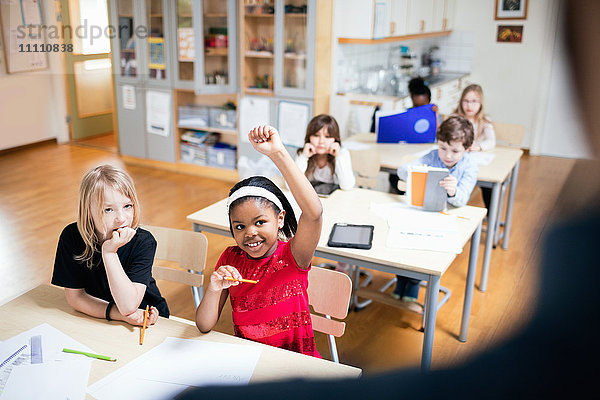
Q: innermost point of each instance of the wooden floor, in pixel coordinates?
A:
(38, 197)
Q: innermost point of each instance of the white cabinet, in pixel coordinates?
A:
(379, 19)
(398, 17)
(443, 15)
(360, 19)
(420, 16)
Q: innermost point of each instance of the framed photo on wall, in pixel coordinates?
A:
(511, 9)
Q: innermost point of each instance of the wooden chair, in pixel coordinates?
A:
(180, 257)
(329, 294)
(508, 135)
(365, 164)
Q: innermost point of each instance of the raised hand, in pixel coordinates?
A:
(265, 139)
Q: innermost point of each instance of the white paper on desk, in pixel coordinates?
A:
(176, 364)
(354, 145)
(414, 229)
(50, 380)
(53, 341)
(481, 158)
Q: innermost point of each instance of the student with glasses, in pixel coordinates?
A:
(471, 107)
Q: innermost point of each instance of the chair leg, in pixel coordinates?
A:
(197, 291)
(332, 346)
(499, 223)
(355, 276)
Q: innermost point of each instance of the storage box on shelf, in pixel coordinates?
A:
(202, 123)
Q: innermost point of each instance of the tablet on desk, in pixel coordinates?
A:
(325, 189)
(351, 236)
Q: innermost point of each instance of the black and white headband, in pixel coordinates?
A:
(253, 191)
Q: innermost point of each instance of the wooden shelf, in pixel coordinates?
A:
(260, 15)
(262, 92)
(259, 54)
(209, 129)
(216, 51)
(296, 15)
(294, 56)
(393, 38)
(215, 15)
(229, 175)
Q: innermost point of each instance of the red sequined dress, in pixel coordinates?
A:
(275, 310)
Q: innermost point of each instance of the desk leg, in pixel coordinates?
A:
(509, 204)
(473, 253)
(433, 291)
(489, 237)
(197, 292)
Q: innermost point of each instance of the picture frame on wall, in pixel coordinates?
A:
(509, 34)
(510, 9)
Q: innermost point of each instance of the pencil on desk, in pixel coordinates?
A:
(458, 216)
(98, 356)
(227, 278)
(144, 325)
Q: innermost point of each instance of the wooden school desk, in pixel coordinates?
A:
(503, 168)
(47, 303)
(353, 206)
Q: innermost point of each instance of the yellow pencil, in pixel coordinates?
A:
(144, 325)
(240, 280)
(459, 216)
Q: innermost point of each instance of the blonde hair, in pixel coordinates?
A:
(91, 192)
(480, 117)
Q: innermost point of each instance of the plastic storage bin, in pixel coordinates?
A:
(222, 118)
(193, 153)
(193, 116)
(222, 155)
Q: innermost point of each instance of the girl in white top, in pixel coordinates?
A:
(322, 158)
(471, 107)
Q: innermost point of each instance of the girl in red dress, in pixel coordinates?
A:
(272, 249)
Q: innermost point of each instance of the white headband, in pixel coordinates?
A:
(253, 191)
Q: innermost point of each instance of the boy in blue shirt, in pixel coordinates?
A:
(454, 137)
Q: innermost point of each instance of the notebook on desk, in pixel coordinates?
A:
(416, 125)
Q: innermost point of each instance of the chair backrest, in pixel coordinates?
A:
(365, 164)
(186, 249)
(509, 134)
(329, 294)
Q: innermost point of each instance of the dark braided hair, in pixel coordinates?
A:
(289, 223)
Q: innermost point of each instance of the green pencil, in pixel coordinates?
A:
(98, 356)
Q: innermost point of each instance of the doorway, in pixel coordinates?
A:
(88, 69)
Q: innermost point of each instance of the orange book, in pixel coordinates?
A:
(423, 187)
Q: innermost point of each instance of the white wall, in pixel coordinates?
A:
(525, 83)
(33, 104)
(562, 131)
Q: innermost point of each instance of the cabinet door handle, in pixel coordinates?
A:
(392, 27)
(445, 24)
